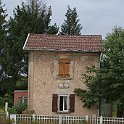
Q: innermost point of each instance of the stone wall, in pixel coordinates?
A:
(44, 81)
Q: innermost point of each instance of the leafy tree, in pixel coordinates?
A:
(71, 24)
(108, 82)
(28, 18)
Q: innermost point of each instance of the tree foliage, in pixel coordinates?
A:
(3, 33)
(2, 25)
(71, 24)
(27, 18)
(108, 81)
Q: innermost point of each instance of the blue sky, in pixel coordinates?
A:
(96, 16)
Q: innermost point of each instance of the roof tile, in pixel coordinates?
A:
(64, 42)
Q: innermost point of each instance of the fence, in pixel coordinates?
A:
(49, 119)
(62, 119)
(105, 120)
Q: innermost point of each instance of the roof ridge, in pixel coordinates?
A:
(67, 35)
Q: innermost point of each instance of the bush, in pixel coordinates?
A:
(28, 111)
(7, 98)
(12, 110)
(18, 109)
(2, 101)
(21, 107)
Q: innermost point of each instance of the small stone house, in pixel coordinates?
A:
(56, 64)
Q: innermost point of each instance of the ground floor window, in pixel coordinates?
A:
(63, 103)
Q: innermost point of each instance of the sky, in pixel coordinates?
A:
(98, 17)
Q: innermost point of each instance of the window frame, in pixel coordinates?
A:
(63, 95)
(70, 103)
(23, 99)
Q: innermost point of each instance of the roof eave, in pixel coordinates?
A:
(57, 50)
(26, 41)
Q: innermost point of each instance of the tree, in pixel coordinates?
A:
(2, 27)
(3, 33)
(71, 25)
(2, 24)
(108, 82)
(29, 18)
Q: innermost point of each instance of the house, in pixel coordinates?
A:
(20, 96)
(56, 64)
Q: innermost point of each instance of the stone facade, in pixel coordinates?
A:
(44, 80)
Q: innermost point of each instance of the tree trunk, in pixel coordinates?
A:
(120, 110)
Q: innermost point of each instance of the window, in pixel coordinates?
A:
(63, 103)
(64, 67)
(22, 99)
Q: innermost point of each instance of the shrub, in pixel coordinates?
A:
(12, 110)
(28, 111)
(7, 98)
(21, 107)
(18, 109)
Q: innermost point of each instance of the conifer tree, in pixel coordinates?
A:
(2, 26)
(27, 18)
(3, 38)
(71, 24)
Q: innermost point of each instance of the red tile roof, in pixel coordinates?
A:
(89, 43)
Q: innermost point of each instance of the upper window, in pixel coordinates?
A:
(64, 65)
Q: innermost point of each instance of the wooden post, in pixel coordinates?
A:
(6, 106)
(86, 117)
(33, 117)
(101, 120)
(6, 109)
(13, 117)
(60, 119)
(7, 114)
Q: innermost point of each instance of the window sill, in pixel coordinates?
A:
(63, 112)
(64, 78)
